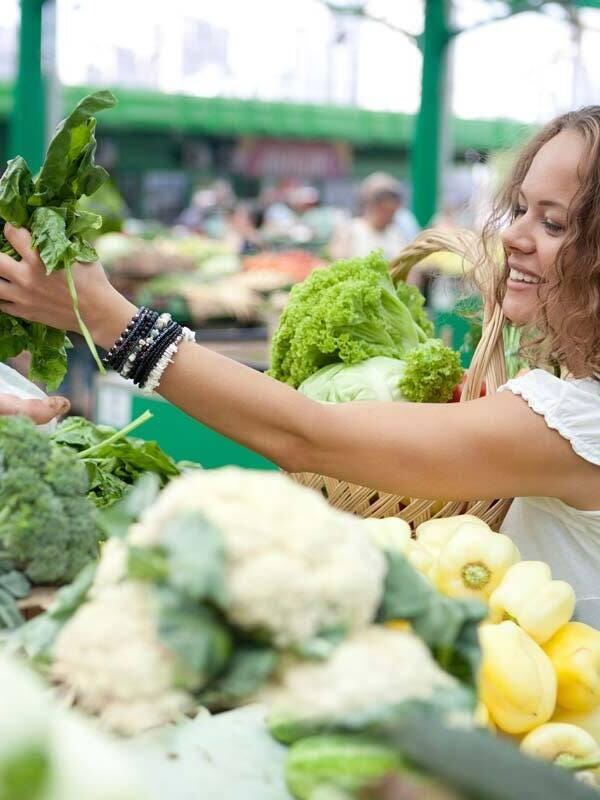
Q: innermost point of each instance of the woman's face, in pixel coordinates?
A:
(534, 237)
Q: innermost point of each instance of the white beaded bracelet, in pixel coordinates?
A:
(157, 372)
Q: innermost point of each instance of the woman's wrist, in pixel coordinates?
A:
(108, 320)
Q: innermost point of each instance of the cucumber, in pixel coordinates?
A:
(342, 760)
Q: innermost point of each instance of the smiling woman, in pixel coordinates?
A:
(538, 439)
(552, 244)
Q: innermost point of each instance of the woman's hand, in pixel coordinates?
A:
(40, 411)
(26, 291)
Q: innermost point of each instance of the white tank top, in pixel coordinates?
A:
(546, 529)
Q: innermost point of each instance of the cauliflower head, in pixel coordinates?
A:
(375, 668)
(294, 566)
(110, 656)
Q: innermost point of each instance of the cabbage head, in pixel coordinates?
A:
(376, 378)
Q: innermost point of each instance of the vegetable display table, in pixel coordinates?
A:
(228, 755)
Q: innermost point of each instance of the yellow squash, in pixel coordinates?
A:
(575, 654)
(517, 683)
(528, 596)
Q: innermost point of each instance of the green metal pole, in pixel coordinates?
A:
(428, 135)
(27, 130)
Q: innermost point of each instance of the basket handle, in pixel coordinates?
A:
(488, 362)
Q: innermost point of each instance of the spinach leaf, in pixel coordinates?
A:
(69, 171)
(114, 460)
(16, 186)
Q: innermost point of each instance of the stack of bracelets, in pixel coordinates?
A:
(146, 348)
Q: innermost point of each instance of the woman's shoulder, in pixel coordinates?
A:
(571, 407)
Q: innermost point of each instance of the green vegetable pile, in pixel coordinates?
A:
(349, 333)
(47, 205)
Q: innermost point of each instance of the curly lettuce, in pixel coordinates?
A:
(348, 312)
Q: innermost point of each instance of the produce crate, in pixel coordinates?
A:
(117, 402)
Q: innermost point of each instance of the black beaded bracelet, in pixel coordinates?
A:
(117, 354)
(130, 345)
(148, 360)
(154, 353)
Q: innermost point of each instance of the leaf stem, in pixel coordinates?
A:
(82, 326)
(117, 435)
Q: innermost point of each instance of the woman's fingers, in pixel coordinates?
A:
(20, 238)
(40, 411)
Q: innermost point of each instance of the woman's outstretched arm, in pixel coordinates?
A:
(493, 447)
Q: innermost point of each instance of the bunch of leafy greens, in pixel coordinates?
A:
(46, 204)
(426, 374)
(113, 459)
(348, 312)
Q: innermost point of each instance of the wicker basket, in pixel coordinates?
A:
(488, 364)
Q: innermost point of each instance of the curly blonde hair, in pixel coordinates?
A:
(568, 327)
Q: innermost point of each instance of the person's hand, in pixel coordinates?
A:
(27, 292)
(40, 411)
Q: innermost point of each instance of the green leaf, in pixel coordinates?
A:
(10, 616)
(16, 185)
(249, 669)
(195, 635)
(191, 559)
(195, 554)
(147, 564)
(15, 583)
(448, 626)
(49, 237)
(36, 638)
(48, 349)
(25, 774)
(116, 520)
(69, 170)
(83, 251)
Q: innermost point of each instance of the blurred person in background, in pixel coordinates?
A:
(208, 209)
(242, 228)
(380, 198)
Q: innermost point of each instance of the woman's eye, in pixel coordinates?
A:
(553, 227)
(518, 211)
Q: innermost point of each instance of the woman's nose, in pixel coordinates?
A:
(517, 236)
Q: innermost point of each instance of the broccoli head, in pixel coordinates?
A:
(48, 527)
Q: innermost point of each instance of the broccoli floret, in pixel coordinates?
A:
(431, 372)
(21, 443)
(48, 527)
(67, 476)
